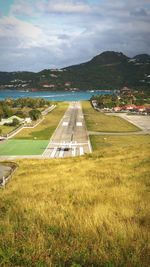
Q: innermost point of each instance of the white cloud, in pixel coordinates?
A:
(68, 6)
(22, 7)
(65, 32)
(11, 26)
(64, 6)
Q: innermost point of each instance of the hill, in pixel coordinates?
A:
(109, 70)
(79, 212)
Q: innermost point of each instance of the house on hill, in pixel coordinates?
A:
(10, 120)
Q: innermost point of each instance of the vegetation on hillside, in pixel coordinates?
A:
(22, 108)
(109, 70)
(45, 129)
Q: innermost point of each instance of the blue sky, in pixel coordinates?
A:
(39, 34)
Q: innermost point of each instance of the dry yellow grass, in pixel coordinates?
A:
(87, 211)
(6, 129)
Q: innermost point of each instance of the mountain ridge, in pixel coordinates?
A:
(108, 70)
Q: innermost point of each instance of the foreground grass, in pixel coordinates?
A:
(87, 211)
(46, 128)
(97, 121)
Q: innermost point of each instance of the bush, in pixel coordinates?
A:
(34, 114)
(15, 122)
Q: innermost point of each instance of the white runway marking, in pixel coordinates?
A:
(65, 123)
(70, 137)
(78, 123)
(61, 154)
(74, 151)
(53, 152)
(81, 151)
(70, 144)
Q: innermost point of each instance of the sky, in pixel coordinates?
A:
(43, 34)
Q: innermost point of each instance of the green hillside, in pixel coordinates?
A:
(109, 70)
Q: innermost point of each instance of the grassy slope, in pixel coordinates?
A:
(114, 143)
(97, 121)
(45, 129)
(87, 211)
(6, 129)
(92, 210)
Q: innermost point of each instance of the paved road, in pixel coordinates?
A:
(70, 137)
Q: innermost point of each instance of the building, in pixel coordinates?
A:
(10, 120)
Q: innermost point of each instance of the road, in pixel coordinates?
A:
(70, 139)
(141, 121)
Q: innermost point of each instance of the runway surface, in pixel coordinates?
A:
(70, 139)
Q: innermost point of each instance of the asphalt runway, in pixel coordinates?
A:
(70, 139)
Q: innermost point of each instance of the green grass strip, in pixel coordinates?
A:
(23, 147)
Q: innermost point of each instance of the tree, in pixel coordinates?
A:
(7, 111)
(15, 122)
(20, 114)
(1, 113)
(34, 114)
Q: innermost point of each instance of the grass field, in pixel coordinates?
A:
(87, 211)
(23, 147)
(46, 128)
(113, 143)
(97, 121)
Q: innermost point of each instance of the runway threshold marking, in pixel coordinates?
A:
(53, 152)
(61, 154)
(78, 123)
(73, 151)
(81, 151)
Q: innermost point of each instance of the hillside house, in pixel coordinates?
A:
(140, 108)
(48, 85)
(10, 120)
(130, 107)
(117, 109)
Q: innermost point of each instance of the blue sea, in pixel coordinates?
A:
(53, 96)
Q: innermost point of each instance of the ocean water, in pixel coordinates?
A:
(53, 96)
